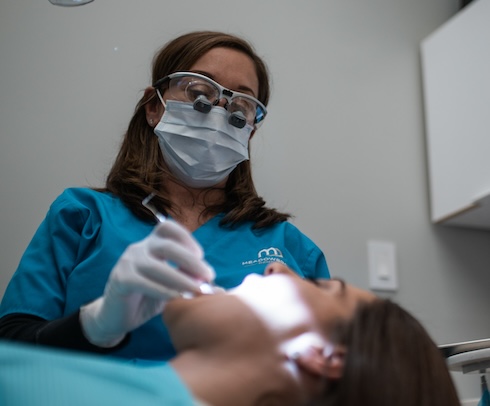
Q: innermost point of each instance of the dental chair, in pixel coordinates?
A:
(470, 357)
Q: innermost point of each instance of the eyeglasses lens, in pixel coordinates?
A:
(189, 89)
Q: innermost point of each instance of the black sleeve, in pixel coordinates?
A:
(62, 333)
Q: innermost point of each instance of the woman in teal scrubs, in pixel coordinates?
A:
(187, 143)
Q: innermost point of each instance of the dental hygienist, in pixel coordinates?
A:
(98, 271)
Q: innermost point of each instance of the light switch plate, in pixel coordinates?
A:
(382, 266)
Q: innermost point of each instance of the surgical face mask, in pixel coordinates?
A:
(200, 149)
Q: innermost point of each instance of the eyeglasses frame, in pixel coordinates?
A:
(225, 93)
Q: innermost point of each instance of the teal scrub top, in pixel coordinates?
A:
(70, 257)
(36, 375)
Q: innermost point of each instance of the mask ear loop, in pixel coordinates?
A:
(161, 98)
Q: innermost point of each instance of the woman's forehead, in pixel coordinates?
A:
(230, 67)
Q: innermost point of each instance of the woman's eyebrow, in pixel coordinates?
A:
(241, 88)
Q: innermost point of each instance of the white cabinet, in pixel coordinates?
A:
(456, 84)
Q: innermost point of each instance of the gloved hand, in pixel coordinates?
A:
(149, 273)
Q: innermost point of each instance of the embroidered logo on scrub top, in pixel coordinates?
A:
(270, 252)
(265, 256)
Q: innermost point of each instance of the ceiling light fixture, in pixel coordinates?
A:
(70, 3)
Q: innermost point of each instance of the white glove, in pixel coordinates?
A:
(162, 266)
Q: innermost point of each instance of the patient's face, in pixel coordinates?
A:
(271, 308)
(285, 301)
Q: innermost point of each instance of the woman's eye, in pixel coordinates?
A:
(327, 284)
(194, 90)
(195, 93)
(313, 280)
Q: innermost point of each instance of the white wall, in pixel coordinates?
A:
(342, 149)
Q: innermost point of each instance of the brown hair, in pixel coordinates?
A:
(391, 360)
(139, 170)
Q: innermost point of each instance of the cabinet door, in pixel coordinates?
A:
(456, 82)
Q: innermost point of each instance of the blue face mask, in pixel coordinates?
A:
(200, 149)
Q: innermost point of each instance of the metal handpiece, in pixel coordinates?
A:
(146, 202)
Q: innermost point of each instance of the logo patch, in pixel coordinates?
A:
(266, 256)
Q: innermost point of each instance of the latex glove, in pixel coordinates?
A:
(149, 273)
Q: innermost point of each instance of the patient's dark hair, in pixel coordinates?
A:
(391, 360)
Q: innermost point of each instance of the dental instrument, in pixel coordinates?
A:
(205, 287)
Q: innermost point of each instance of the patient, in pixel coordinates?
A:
(276, 339)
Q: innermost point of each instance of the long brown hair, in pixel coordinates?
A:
(391, 360)
(139, 170)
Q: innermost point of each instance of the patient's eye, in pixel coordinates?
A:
(313, 280)
(333, 284)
